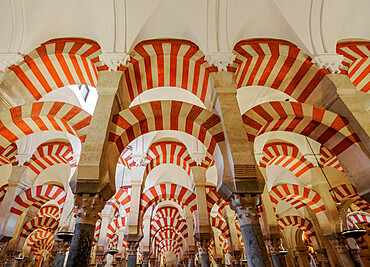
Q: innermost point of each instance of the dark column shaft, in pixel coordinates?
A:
(131, 261)
(79, 252)
(59, 260)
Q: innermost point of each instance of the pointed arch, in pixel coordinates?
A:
(297, 196)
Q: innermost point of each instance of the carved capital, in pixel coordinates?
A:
(132, 247)
(23, 158)
(62, 246)
(273, 244)
(88, 206)
(114, 60)
(246, 207)
(146, 255)
(9, 59)
(220, 59)
(235, 255)
(203, 245)
(339, 243)
(332, 62)
(322, 256)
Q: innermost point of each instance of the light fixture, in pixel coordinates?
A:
(65, 236)
(112, 251)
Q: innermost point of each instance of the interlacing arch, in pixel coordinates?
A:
(49, 223)
(166, 115)
(168, 192)
(51, 211)
(114, 225)
(323, 126)
(347, 191)
(37, 196)
(42, 116)
(169, 62)
(287, 156)
(356, 63)
(280, 65)
(299, 222)
(329, 160)
(298, 196)
(58, 63)
(8, 155)
(50, 154)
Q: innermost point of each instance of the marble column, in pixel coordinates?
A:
(203, 244)
(322, 256)
(61, 252)
(273, 242)
(191, 259)
(340, 246)
(132, 253)
(246, 206)
(88, 205)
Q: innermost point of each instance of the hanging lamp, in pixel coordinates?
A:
(347, 233)
(66, 236)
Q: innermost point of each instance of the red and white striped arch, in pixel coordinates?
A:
(51, 211)
(168, 192)
(177, 224)
(298, 196)
(169, 62)
(42, 116)
(358, 218)
(287, 156)
(114, 225)
(125, 158)
(37, 196)
(121, 198)
(167, 212)
(280, 65)
(321, 125)
(347, 191)
(113, 243)
(169, 234)
(58, 63)
(356, 63)
(39, 222)
(329, 160)
(8, 155)
(166, 115)
(168, 242)
(96, 232)
(220, 224)
(37, 235)
(3, 190)
(213, 198)
(41, 245)
(50, 154)
(299, 222)
(166, 248)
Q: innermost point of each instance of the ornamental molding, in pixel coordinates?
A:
(114, 60)
(23, 158)
(220, 59)
(138, 159)
(331, 62)
(9, 59)
(198, 157)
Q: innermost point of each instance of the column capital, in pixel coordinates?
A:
(273, 242)
(338, 242)
(88, 206)
(203, 245)
(132, 247)
(246, 207)
(220, 59)
(113, 60)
